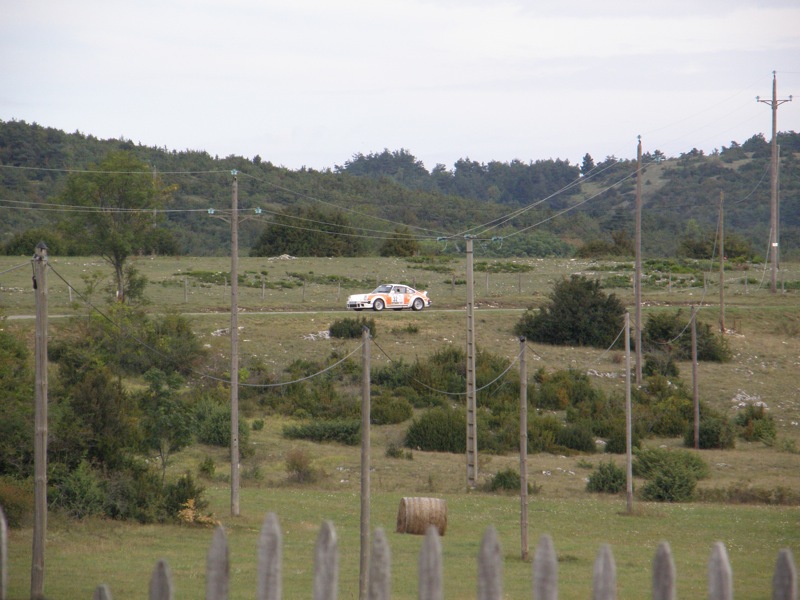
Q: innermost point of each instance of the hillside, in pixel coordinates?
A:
(518, 204)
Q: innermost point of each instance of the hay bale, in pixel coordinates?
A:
(415, 515)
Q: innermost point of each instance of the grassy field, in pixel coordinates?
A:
(281, 322)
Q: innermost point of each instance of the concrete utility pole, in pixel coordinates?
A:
(695, 389)
(235, 346)
(628, 419)
(638, 267)
(472, 425)
(523, 450)
(774, 103)
(363, 580)
(721, 264)
(40, 423)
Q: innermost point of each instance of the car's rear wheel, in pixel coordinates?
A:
(378, 305)
(418, 304)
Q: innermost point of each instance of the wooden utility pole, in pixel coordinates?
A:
(523, 450)
(695, 392)
(721, 264)
(472, 425)
(638, 267)
(628, 419)
(363, 582)
(774, 103)
(40, 423)
(235, 347)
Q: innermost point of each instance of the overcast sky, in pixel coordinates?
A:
(313, 82)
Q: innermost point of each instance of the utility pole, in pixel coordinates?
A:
(472, 425)
(774, 103)
(721, 264)
(638, 267)
(523, 450)
(363, 580)
(628, 419)
(695, 390)
(40, 423)
(235, 346)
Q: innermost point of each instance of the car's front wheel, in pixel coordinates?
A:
(418, 304)
(378, 305)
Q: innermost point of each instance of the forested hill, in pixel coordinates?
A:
(536, 208)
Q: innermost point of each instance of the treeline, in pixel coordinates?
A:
(536, 208)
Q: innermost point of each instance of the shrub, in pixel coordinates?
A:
(660, 363)
(257, 424)
(207, 467)
(576, 437)
(351, 328)
(668, 332)
(298, 466)
(507, 480)
(214, 425)
(579, 313)
(754, 424)
(388, 410)
(16, 500)
(648, 462)
(617, 442)
(608, 479)
(715, 432)
(79, 493)
(673, 482)
(178, 494)
(438, 430)
(395, 450)
(346, 432)
(134, 493)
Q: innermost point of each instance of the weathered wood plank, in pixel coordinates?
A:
(720, 577)
(784, 581)
(102, 592)
(269, 584)
(380, 568)
(604, 578)
(664, 586)
(326, 563)
(429, 586)
(217, 567)
(545, 570)
(490, 567)
(161, 587)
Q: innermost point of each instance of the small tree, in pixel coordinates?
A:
(402, 243)
(579, 313)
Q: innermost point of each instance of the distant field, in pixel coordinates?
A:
(280, 322)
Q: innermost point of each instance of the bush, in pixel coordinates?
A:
(79, 493)
(177, 494)
(579, 313)
(341, 431)
(617, 442)
(673, 482)
(438, 430)
(298, 466)
(542, 432)
(508, 480)
(349, 328)
(715, 432)
(576, 437)
(669, 333)
(754, 424)
(388, 410)
(257, 424)
(207, 467)
(647, 462)
(608, 479)
(134, 493)
(660, 363)
(214, 425)
(16, 500)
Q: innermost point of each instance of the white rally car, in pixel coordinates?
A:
(390, 295)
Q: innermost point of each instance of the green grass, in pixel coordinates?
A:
(277, 329)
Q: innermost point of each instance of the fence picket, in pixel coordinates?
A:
(3, 556)
(784, 581)
(490, 567)
(604, 577)
(430, 567)
(664, 587)
(326, 563)
(217, 567)
(380, 568)
(545, 570)
(270, 582)
(720, 577)
(161, 582)
(102, 592)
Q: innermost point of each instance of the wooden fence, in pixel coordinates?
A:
(490, 569)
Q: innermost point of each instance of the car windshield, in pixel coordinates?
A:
(382, 289)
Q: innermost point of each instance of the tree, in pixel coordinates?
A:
(121, 193)
(16, 408)
(307, 231)
(579, 313)
(587, 165)
(402, 243)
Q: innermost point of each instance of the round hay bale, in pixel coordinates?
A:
(416, 515)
